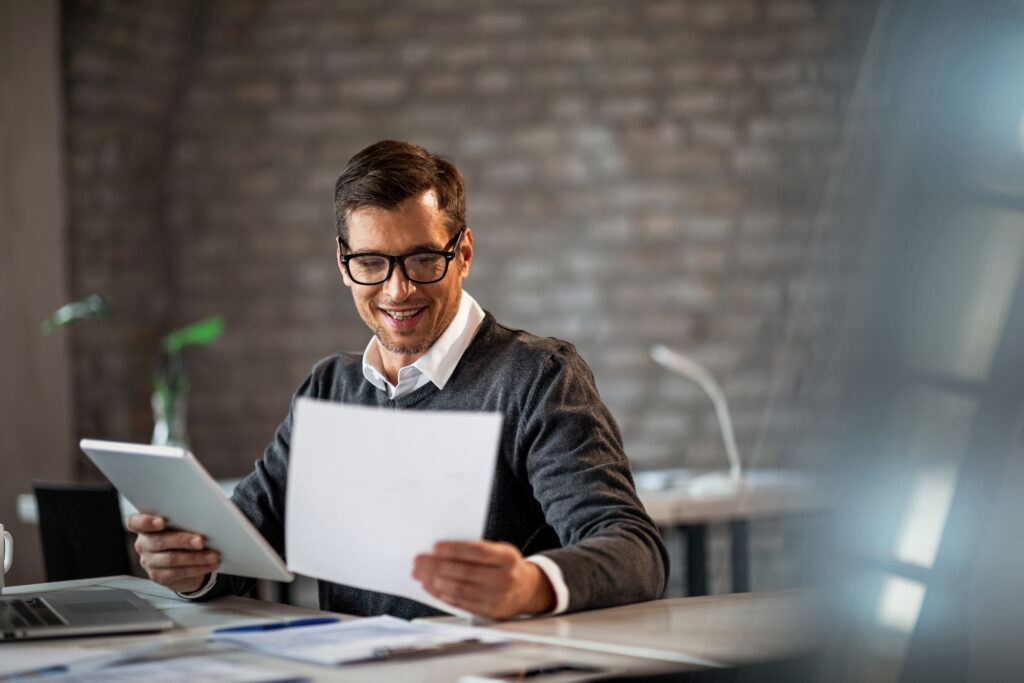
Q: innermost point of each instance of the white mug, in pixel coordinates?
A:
(8, 542)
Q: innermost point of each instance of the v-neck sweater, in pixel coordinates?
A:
(562, 486)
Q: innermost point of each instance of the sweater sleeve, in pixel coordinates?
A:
(612, 553)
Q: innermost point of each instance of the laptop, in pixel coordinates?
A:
(86, 612)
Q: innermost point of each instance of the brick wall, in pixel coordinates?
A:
(637, 173)
(124, 66)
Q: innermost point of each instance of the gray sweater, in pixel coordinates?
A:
(562, 487)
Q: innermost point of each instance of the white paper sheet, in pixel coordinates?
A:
(25, 658)
(370, 488)
(22, 658)
(192, 669)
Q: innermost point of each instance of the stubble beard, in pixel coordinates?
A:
(403, 350)
(392, 344)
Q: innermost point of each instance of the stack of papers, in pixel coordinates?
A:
(360, 640)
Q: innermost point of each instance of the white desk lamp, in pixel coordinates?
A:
(718, 484)
(712, 483)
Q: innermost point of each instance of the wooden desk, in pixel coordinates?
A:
(651, 637)
(195, 621)
(724, 630)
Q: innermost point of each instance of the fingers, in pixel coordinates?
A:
(176, 559)
(168, 540)
(474, 600)
(142, 522)
(463, 572)
(183, 571)
(486, 578)
(471, 587)
(464, 567)
(479, 598)
(460, 592)
(151, 530)
(478, 552)
(179, 560)
(487, 600)
(185, 580)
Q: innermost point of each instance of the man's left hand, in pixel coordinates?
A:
(487, 578)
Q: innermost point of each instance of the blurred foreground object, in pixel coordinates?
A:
(926, 243)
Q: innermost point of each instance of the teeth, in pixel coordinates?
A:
(403, 315)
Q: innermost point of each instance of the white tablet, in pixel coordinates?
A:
(170, 482)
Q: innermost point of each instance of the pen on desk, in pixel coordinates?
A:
(276, 626)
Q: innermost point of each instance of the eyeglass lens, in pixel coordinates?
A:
(424, 268)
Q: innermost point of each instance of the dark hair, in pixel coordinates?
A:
(388, 172)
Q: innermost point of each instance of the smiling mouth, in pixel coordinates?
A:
(403, 315)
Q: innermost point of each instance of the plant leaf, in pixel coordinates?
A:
(93, 307)
(202, 332)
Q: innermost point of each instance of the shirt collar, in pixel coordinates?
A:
(440, 360)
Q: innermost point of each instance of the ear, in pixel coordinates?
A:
(344, 273)
(466, 252)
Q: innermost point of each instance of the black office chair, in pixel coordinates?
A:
(81, 529)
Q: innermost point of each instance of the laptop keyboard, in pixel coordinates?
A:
(19, 614)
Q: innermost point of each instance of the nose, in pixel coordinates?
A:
(398, 287)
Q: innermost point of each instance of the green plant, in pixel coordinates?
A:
(170, 377)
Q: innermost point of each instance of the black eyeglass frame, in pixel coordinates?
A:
(400, 260)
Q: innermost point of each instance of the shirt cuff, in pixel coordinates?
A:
(557, 579)
(202, 590)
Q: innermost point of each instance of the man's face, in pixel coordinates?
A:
(406, 317)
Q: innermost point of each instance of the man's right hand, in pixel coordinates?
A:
(176, 559)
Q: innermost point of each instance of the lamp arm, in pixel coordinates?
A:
(691, 369)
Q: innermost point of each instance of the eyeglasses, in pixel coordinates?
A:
(421, 267)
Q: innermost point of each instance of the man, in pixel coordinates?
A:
(565, 529)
